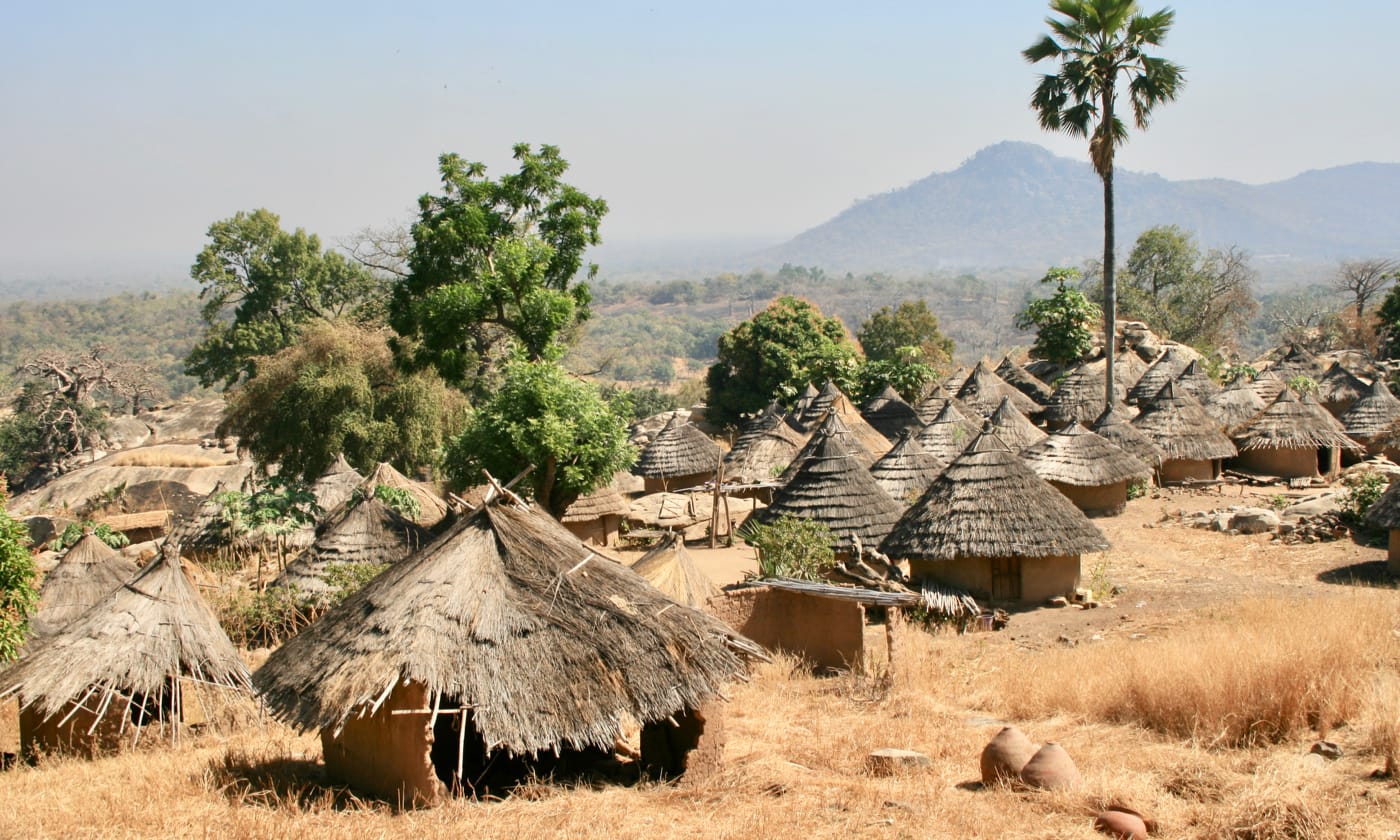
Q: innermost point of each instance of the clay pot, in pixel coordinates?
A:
(1005, 755)
(1123, 823)
(1051, 768)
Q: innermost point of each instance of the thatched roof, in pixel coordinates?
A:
(1298, 361)
(605, 501)
(1235, 404)
(205, 529)
(681, 449)
(934, 402)
(508, 614)
(1290, 423)
(1181, 429)
(889, 414)
(1081, 393)
(1385, 511)
(871, 439)
(1168, 366)
(671, 569)
(833, 427)
(819, 405)
(1339, 385)
(800, 407)
(368, 533)
(1115, 425)
(1080, 458)
(764, 448)
(987, 503)
(955, 380)
(1023, 380)
(1013, 428)
(336, 484)
(984, 391)
(1267, 385)
(1194, 380)
(130, 644)
(947, 435)
(84, 575)
(1373, 414)
(906, 470)
(432, 508)
(835, 488)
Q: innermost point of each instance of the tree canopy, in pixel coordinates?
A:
(888, 331)
(1204, 300)
(1064, 322)
(18, 596)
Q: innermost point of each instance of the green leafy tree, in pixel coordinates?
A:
(791, 547)
(1388, 314)
(18, 596)
(777, 353)
(906, 372)
(259, 286)
(74, 531)
(886, 335)
(1205, 300)
(495, 262)
(1098, 45)
(278, 507)
(338, 391)
(543, 417)
(1064, 322)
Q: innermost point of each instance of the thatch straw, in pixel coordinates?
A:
(1385, 511)
(1267, 385)
(987, 503)
(590, 507)
(1373, 414)
(906, 471)
(432, 509)
(1339, 386)
(1298, 361)
(1168, 366)
(336, 484)
(129, 647)
(819, 405)
(834, 426)
(671, 569)
(800, 407)
(1080, 458)
(1023, 380)
(955, 380)
(1236, 404)
(984, 391)
(88, 571)
(764, 448)
(1181, 429)
(367, 534)
(947, 435)
(889, 414)
(936, 400)
(1290, 423)
(1013, 428)
(679, 450)
(1194, 380)
(1115, 425)
(1080, 394)
(508, 614)
(835, 488)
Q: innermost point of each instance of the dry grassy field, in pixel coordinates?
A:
(1192, 697)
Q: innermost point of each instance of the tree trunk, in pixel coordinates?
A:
(1110, 290)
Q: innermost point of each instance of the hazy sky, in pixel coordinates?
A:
(129, 127)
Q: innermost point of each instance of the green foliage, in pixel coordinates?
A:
(263, 619)
(1278, 502)
(19, 597)
(541, 416)
(259, 286)
(1388, 316)
(791, 547)
(1138, 488)
(278, 507)
(397, 499)
(776, 354)
(74, 532)
(1363, 489)
(1203, 300)
(345, 579)
(1303, 385)
(1063, 322)
(640, 403)
(338, 391)
(494, 261)
(907, 373)
(887, 335)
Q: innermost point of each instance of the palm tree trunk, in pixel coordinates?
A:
(1110, 290)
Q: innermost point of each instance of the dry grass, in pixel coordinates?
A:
(1261, 672)
(1381, 719)
(158, 457)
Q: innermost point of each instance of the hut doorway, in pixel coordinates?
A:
(1328, 461)
(1006, 579)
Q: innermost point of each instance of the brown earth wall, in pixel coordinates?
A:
(387, 755)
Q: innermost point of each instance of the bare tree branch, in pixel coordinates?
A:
(1364, 279)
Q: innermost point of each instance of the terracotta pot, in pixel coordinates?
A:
(1005, 755)
(1051, 768)
(1123, 823)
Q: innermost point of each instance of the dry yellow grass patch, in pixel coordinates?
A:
(155, 456)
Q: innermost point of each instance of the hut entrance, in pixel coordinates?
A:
(462, 762)
(1328, 460)
(1006, 579)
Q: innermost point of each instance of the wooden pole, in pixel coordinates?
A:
(714, 502)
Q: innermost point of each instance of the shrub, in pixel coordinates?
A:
(345, 579)
(263, 619)
(397, 499)
(791, 547)
(18, 597)
(74, 532)
(1363, 489)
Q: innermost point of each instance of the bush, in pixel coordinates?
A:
(345, 579)
(263, 619)
(74, 532)
(791, 547)
(1363, 489)
(18, 596)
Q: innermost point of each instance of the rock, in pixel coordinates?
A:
(1058, 601)
(1327, 750)
(1005, 755)
(1051, 768)
(1325, 503)
(891, 761)
(44, 528)
(1122, 823)
(1254, 521)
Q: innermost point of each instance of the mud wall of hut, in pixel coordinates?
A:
(1393, 554)
(1284, 463)
(1105, 500)
(690, 743)
(1180, 469)
(387, 755)
(1041, 578)
(602, 531)
(826, 632)
(52, 734)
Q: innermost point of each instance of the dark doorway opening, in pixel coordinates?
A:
(1006, 579)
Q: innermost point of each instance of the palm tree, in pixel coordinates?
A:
(1098, 44)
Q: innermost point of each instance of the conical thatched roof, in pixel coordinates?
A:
(1194, 380)
(671, 569)
(1128, 368)
(336, 484)
(1080, 394)
(1385, 511)
(1181, 429)
(819, 405)
(1078, 457)
(984, 391)
(934, 402)
(1339, 385)
(871, 439)
(906, 470)
(987, 503)
(1013, 428)
(1373, 414)
(680, 449)
(1298, 361)
(889, 414)
(131, 643)
(1290, 423)
(799, 408)
(764, 448)
(431, 507)
(605, 501)
(955, 380)
(88, 571)
(1267, 385)
(1023, 380)
(947, 435)
(835, 488)
(1168, 366)
(834, 427)
(368, 533)
(510, 615)
(1236, 404)
(1115, 425)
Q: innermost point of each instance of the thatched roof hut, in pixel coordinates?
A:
(1024, 381)
(1235, 404)
(681, 456)
(834, 487)
(1168, 367)
(1115, 425)
(671, 569)
(1298, 361)
(906, 471)
(851, 440)
(1013, 428)
(1371, 416)
(432, 509)
(1385, 513)
(889, 414)
(508, 630)
(947, 435)
(596, 517)
(1291, 439)
(1091, 472)
(763, 449)
(934, 402)
(1190, 440)
(336, 484)
(991, 526)
(1339, 388)
(369, 533)
(142, 654)
(819, 405)
(984, 391)
(799, 408)
(1194, 380)
(1267, 385)
(1081, 392)
(86, 573)
(954, 381)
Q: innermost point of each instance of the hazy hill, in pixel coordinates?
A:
(1017, 204)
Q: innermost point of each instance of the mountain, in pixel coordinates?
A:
(1016, 204)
